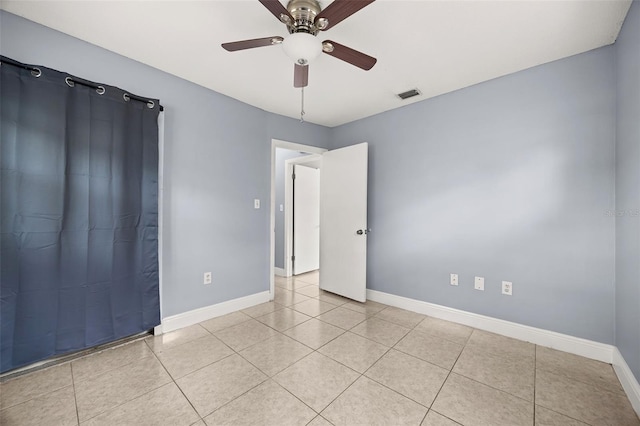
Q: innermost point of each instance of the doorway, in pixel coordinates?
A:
(343, 217)
(280, 208)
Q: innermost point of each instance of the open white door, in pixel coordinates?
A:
(343, 222)
(306, 219)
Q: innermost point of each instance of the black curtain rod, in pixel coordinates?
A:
(74, 80)
(10, 61)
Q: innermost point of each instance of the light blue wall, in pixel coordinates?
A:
(217, 160)
(282, 155)
(628, 191)
(510, 180)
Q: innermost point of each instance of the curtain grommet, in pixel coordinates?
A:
(100, 90)
(69, 82)
(36, 72)
(126, 97)
(151, 104)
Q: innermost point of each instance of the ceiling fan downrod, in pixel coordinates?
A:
(304, 14)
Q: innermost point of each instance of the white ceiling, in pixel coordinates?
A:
(435, 46)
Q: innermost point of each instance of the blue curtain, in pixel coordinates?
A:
(79, 215)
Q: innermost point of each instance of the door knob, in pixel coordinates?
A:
(359, 232)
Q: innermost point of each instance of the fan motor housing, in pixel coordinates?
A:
(304, 14)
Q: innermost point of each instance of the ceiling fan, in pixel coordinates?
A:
(304, 19)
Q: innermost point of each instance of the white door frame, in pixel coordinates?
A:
(288, 206)
(276, 143)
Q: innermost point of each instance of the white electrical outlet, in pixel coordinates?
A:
(479, 283)
(207, 277)
(454, 279)
(256, 203)
(507, 288)
(281, 207)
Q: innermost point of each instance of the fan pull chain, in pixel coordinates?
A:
(302, 106)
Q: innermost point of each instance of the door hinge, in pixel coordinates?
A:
(293, 258)
(293, 176)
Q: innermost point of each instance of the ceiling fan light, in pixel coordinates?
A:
(302, 48)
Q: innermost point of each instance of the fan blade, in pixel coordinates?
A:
(250, 44)
(349, 55)
(340, 10)
(278, 10)
(300, 75)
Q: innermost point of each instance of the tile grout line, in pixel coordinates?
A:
(199, 324)
(401, 394)
(340, 394)
(36, 395)
(75, 398)
(391, 389)
(69, 362)
(69, 358)
(318, 415)
(233, 352)
(364, 373)
(444, 338)
(233, 399)
(345, 331)
(256, 367)
(272, 377)
(336, 361)
(578, 381)
(482, 383)
(103, 373)
(126, 402)
(449, 374)
(176, 385)
(298, 398)
(584, 382)
(199, 368)
(360, 374)
(492, 387)
(535, 373)
(326, 343)
(425, 416)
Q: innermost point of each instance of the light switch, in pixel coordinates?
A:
(281, 207)
(256, 203)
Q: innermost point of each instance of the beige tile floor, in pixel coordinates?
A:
(313, 358)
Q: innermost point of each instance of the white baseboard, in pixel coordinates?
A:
(279, 272)
(627, 379)
(195, 316)
(551, 339)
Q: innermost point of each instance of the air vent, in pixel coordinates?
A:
(409, 94)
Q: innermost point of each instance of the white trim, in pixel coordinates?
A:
(627, 379)
(195, 316)
(288, 206)
(279, 272)
(276, 143)
(551, 339)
